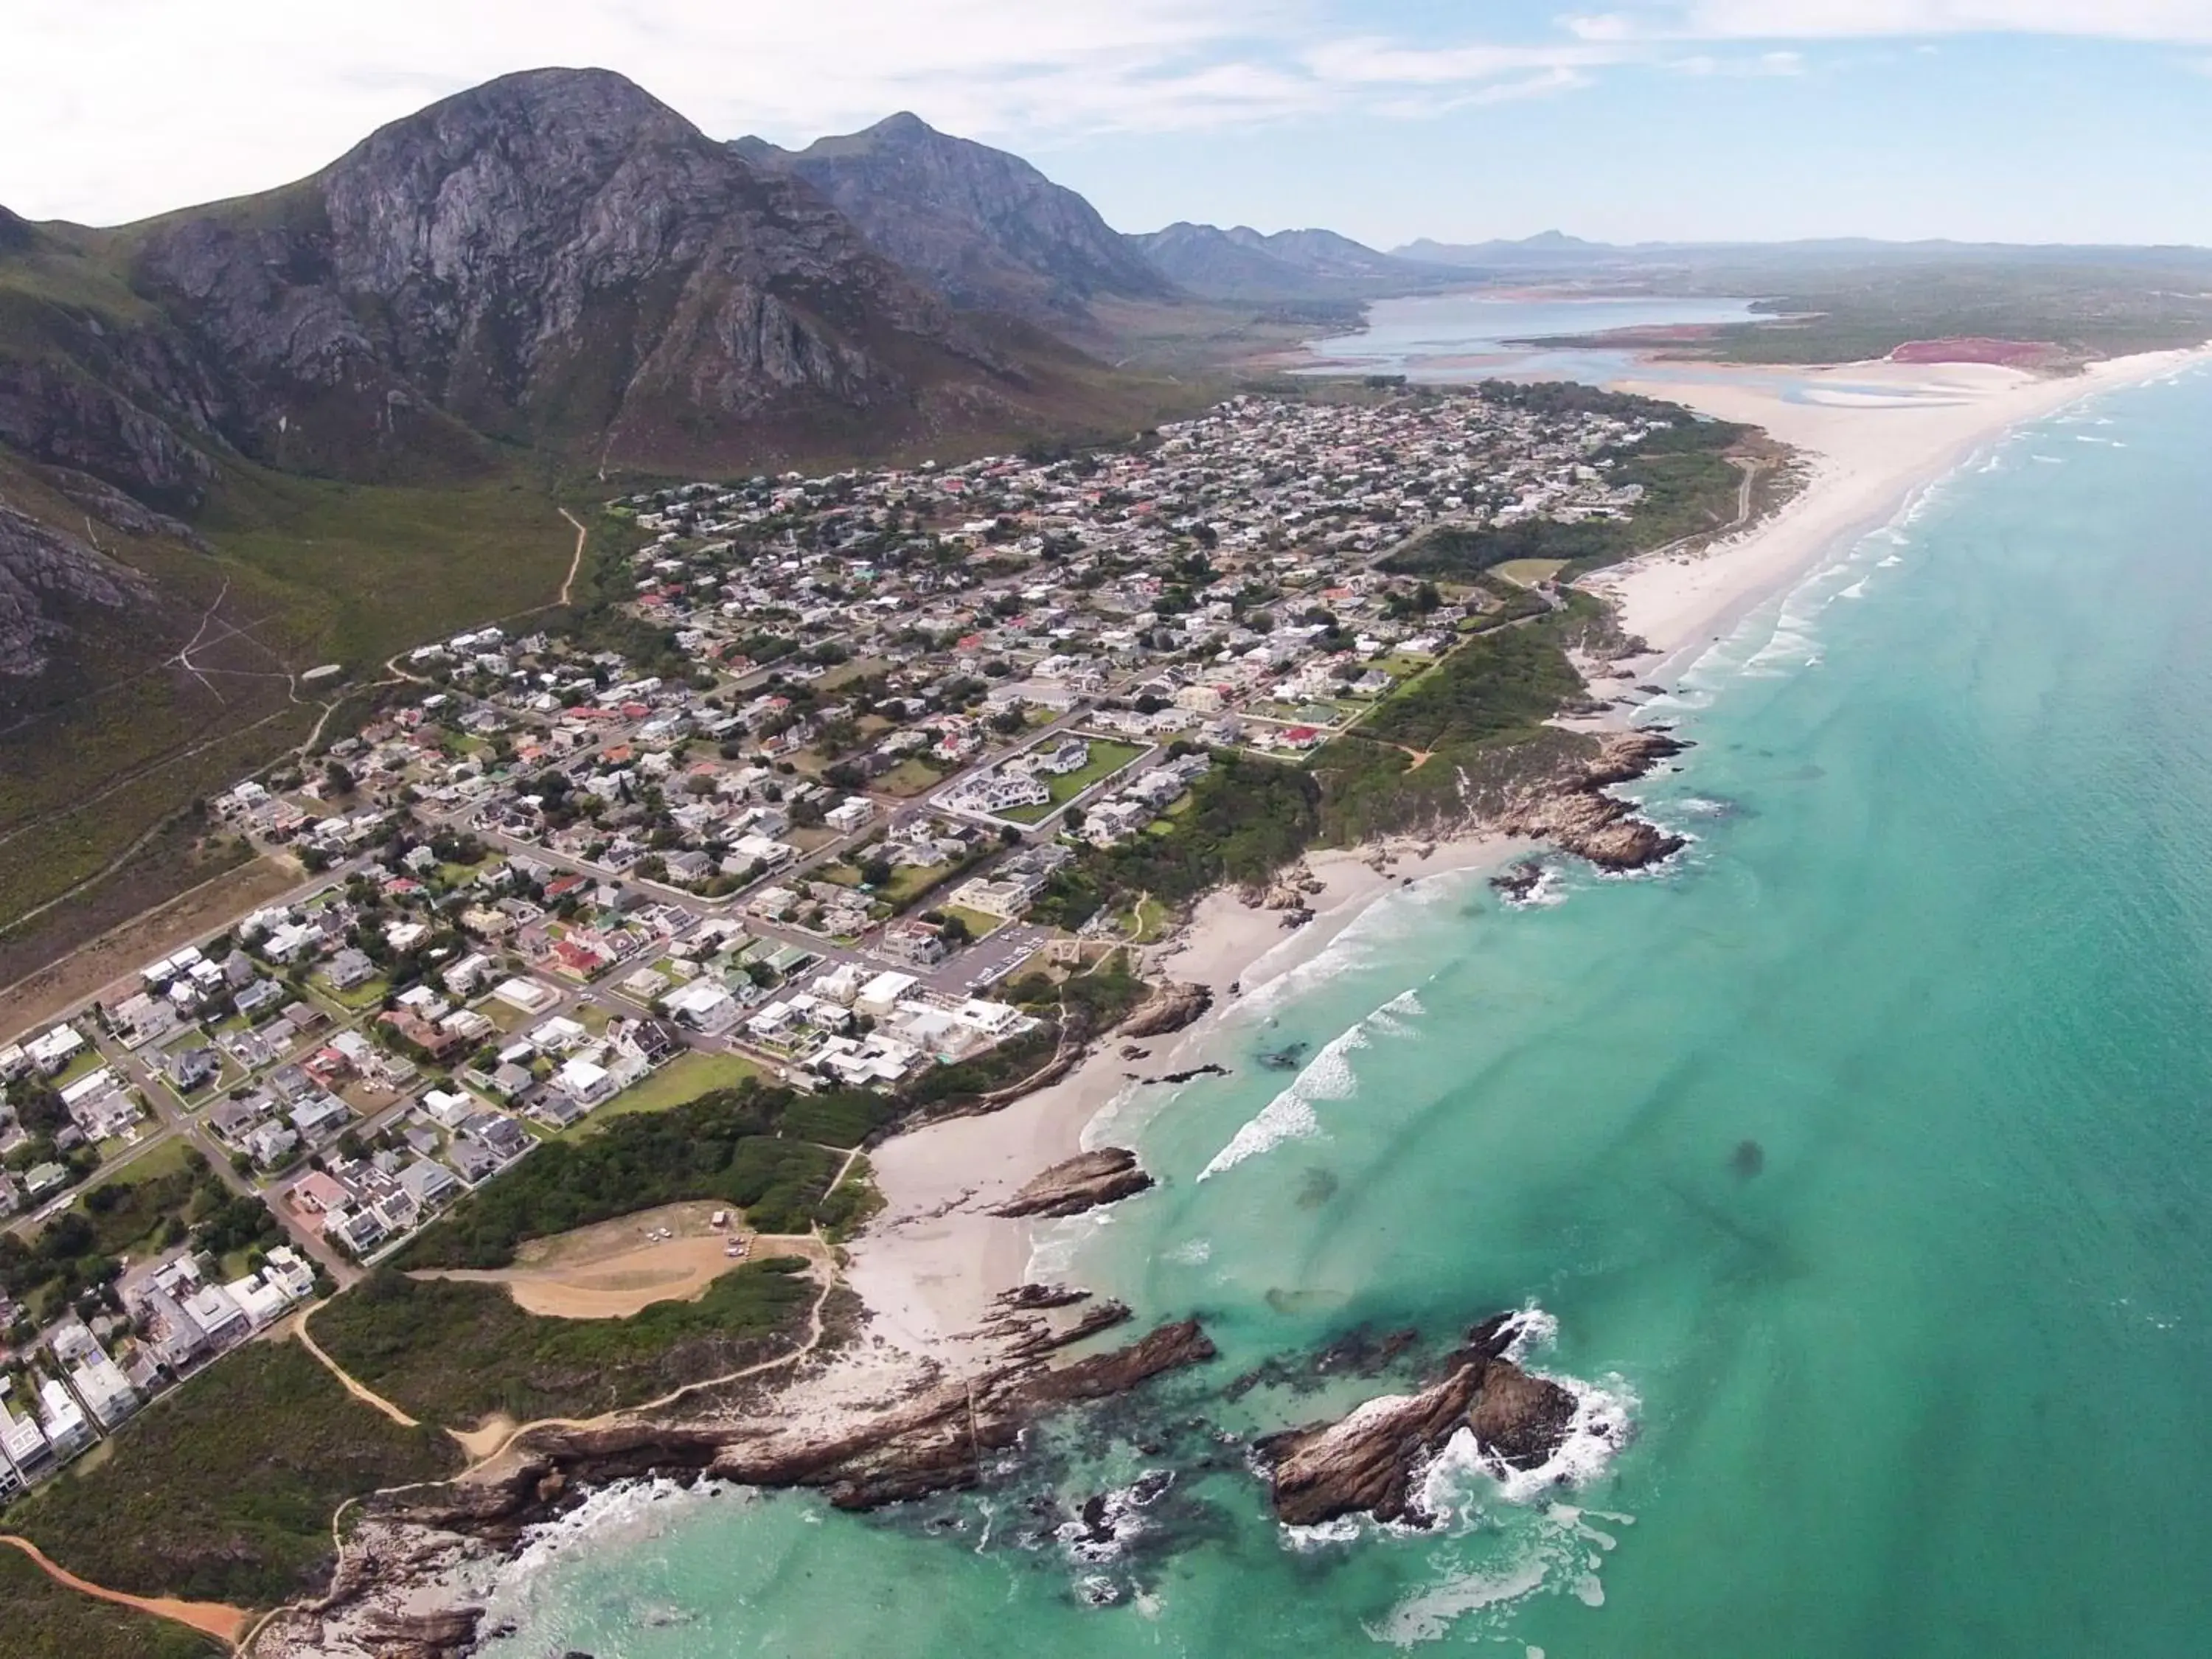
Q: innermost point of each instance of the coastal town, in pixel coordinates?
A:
(805, 804)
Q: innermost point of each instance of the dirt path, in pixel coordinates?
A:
(225, 1623)
(297, 1327)
(99, 963)
(568, 581)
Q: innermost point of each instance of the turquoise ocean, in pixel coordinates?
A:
(1918, 1371)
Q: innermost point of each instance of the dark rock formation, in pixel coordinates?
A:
(1083, 1182)
(447, 1633)
(1024, 1298)
(1211, 1069)
(1366, 1462)
(986, 227)
(1579, 816)
(1517, 881)
(1171, 1006)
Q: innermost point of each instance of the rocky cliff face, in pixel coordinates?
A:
(45, 576)
(556, 257)
(984, 226)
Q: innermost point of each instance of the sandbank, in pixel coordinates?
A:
(1871, 434)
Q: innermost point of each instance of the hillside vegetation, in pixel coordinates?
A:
(224, 1491)
(455, 1353)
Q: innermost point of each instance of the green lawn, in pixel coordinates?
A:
(685, 1077)
(910, 777)
(1107, 758)
(979, 924)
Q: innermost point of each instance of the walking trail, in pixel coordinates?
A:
(226, 1623)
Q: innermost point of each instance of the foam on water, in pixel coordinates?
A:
(1290, 1115)
(1328, 1076)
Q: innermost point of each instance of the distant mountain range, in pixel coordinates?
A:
(1242, 264)
(556, 265)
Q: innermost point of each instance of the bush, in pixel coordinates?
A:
(455, 1353)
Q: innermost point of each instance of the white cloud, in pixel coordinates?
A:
(123, 108)
(2153, 21)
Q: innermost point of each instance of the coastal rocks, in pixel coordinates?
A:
(1366, 1462)
(1195, 1072)
(1517, 881)
(1083, 1182)
(1032, 1339)
(447, 1633)
(1578, 815)
(936, 1438)
(1171, 1348)
(1028, 1298)
(1171, 1006)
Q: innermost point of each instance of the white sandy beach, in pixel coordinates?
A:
(1872, 434)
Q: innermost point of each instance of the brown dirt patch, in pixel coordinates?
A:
(120, 952)
(616, 1268)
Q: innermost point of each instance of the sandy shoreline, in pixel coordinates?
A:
(929, 1268)
(1872, 434)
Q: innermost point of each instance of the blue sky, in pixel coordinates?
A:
(1624, 119)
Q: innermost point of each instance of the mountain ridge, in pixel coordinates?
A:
(987, 228)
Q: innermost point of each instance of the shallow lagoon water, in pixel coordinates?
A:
(1919, 1379)
(1442, 338)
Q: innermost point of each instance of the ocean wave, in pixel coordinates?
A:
(1054, 1245)
(1328, 1076)
(1550, 891)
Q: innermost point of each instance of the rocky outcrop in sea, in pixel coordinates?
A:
(1370, 1460)
(1083, 1182)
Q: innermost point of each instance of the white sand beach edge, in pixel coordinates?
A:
(1871, 433)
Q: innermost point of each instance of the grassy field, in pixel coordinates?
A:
(455, 1353)
(979, 924)
(683, 1078)
(1528, 573)
(224, 1491)
(46, 1620)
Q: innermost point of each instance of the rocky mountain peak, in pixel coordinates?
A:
(985, 227)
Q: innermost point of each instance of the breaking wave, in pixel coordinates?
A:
(1328, 1076)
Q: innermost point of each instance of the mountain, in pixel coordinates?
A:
(555, 259)
(1243, 265)
(985, 228)
(1550, 247)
